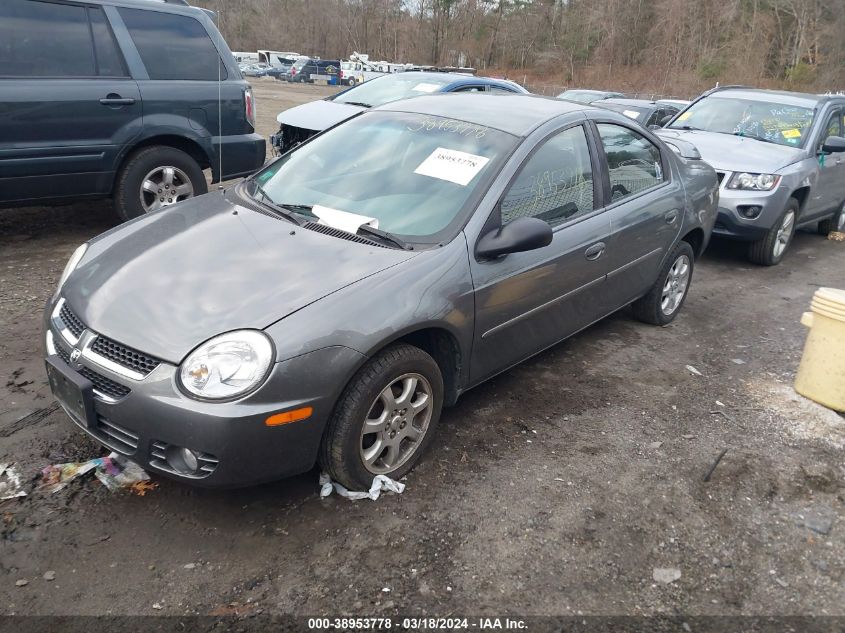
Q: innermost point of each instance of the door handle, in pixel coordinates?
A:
(595, 251)
(116, 100)
(671, 216)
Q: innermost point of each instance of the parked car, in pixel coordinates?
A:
(328, 307)
(588, 96)
(125, 101)
(281, 71)
(300, 123)
(351, 73)
(650, 114)
(780, 160)
(304, 69)
(255, 70)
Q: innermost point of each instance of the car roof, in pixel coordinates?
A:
(516, 114)
(640, 103)
(155, 5)
(589, 91)
(805, 99)
(461, 79)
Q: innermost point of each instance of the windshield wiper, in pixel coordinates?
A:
(688, 128)
(387, 237)
(283, 210)
(357, 103)
(755, 137)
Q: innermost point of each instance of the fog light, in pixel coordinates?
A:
(182, 460)
(750, 211)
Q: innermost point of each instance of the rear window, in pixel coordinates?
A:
(46, 39)
(173, 46)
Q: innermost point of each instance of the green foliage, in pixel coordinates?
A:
(711, 69)
(801, 73)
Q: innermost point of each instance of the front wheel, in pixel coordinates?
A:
(836, 223)
(385, 418)
(351, 82)
(663, 302)
(770, 250)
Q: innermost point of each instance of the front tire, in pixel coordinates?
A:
(769, 251)
(156, 177)
(385, 418)
(664, 301)
(836, 223)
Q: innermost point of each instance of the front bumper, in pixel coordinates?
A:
(141, 418)
(733, 224)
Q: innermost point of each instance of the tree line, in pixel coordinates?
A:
(660, 46)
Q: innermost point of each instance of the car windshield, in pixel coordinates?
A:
(392, 88)
(763, 120)
(413, 173)
(630, 111)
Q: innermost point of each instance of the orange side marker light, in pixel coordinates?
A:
(289, 416)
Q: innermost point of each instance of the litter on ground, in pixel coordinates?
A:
(10, 483)
(380, 483)
(113, 471)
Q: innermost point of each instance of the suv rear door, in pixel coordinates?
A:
(68, 102)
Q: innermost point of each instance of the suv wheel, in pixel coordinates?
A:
(663, 302)
(836, 223)
(157, 177)
(385, 418)
(351, 81)
(771, 249)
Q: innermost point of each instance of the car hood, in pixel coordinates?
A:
(737, 153)
(318, 115)
(168, 281)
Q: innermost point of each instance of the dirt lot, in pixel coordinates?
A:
(557, 488)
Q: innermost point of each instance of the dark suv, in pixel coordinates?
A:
(304, 68)
(123, 98)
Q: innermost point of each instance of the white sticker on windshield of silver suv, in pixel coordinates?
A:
(424, 87)
(452, 165)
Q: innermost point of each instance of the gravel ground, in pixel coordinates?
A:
(573, 484)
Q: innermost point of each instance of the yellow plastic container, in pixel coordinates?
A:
(821, 375)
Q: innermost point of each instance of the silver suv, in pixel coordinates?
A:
(780, 162)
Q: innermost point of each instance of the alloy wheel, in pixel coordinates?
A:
(164, 186)
(396, 423)
(675, 286)
(784, 234)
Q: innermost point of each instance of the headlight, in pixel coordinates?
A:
(753, 182)
(228, 365)
(71, 265)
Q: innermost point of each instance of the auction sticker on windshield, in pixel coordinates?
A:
(424, 87)
(452, 165)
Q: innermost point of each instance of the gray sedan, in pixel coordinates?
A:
(326, 309)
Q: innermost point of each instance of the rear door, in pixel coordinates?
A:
(68, 104)
(525, 302)
(646, 205)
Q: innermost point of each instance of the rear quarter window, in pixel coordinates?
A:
(173, 47)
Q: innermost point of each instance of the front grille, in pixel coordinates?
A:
(158, 458)
(71, 321)
(123, 355)
(63, 354)
(116, 437)
(105, 385)
(344, 235)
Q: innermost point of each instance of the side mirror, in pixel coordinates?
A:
(523, 234)
(665, 120)
(833, 145)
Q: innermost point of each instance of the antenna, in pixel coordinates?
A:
(220, 103)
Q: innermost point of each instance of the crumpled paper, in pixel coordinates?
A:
(113, 471)
(380, 483)
(10, 484)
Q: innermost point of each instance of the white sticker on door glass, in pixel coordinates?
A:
(631, 114)
(452, 165)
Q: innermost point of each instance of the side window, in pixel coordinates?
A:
(109, 58)
(555, 184)
(470, 89)
(834, 125)
(498, 90)
(632, 160)
(173, 46)
(44, 39)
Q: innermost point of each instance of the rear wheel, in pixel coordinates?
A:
(157, 177)
(351, 81)
(385, 418)
(836, 223)
(770, 250)
(663, 302)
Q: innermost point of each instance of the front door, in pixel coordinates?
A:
(525, 302)
(68, 105)
(829, 191)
